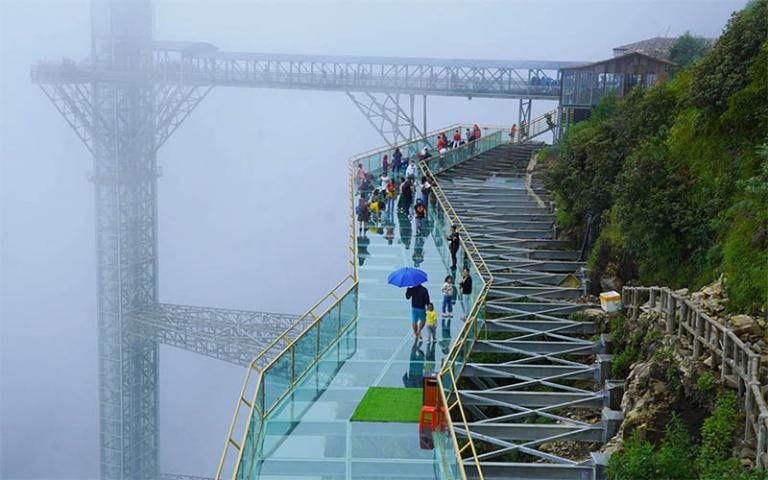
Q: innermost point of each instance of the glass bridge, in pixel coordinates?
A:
(293, 417)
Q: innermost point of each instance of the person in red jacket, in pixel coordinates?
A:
(476, 131)
(456, 138)
(440, 143)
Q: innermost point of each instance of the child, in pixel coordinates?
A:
(420, 212)
(431, 323)
(449, 293)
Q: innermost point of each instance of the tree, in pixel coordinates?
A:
(687, 49)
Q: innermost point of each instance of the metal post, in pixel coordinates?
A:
(424, 113)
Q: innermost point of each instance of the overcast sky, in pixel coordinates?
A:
(252, 206)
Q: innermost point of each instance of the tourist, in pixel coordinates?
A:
(383, 182)
(410, 171)
(419, 297)
(476, 132)
(453, 244)
(385, 164)
(390, 196)
(456, 138)
(449, 293)
(359, 176)
(425, 188)
(466, 290)
(469, 135)
(406, 192)
(419, 213)
(431, 323)
(362, 212)
(512, 132)
(397, 166)
(441, 143)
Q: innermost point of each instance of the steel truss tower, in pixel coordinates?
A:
(124, 103)
(123, 124)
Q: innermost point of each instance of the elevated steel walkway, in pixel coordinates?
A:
(531, 400)
(523, 382)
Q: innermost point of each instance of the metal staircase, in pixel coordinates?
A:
(533, 390)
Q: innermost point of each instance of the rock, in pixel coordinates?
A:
(708, 361)
(590, 313)
(682, 291)
(610, 282)
(744, 325)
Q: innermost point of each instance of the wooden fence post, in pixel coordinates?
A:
(698, 336)
(671, 312)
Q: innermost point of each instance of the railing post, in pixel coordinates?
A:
(671, 312)
(724, 364)
(698, 336)
(635, 304)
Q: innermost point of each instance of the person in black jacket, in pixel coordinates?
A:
(453, 245)
(419, 297)
(466, 290)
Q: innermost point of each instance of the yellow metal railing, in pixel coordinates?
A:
(465, 453)
(282, 357)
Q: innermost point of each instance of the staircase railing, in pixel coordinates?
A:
(538, 126)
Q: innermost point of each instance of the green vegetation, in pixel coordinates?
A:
(706, 383)
(679, 458)
(675, 177)
(386, 404)
(640, 460)
(688, 49)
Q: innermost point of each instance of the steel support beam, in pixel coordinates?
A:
(387, 116)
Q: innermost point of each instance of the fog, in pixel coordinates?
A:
(253, 206)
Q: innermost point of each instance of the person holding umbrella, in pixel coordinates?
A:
(416, 293)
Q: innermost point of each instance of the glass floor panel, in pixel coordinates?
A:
(309, 436)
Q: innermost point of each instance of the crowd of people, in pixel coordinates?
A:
(399, 193)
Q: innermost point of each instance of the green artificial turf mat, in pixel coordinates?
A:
(388, 404)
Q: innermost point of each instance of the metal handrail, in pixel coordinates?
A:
(377, 152)
(471, 322)
(311, 316)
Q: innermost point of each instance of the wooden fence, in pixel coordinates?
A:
(738, 365)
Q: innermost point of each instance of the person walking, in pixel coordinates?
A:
(512, 132)
(456, 138)
(385, 164)
(476, 132)
(410, 171)
(390, 195)
(362, 213)
(419, 297)
(466, 290)
(453, 244)
(407, 193)
(397, 165)
(449, 293)
(420, 213)
(426, 190)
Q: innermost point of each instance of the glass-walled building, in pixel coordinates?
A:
(583, 86)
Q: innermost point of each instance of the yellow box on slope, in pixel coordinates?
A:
(610, 301)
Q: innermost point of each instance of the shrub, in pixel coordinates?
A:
(674, 459)
(717, 436)
(706, 382)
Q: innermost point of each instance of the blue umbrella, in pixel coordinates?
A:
(407, 277)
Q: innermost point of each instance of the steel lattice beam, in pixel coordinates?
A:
(235, 336)
(387, 116)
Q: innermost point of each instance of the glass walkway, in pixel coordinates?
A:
(310, 438)
(541, 363)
